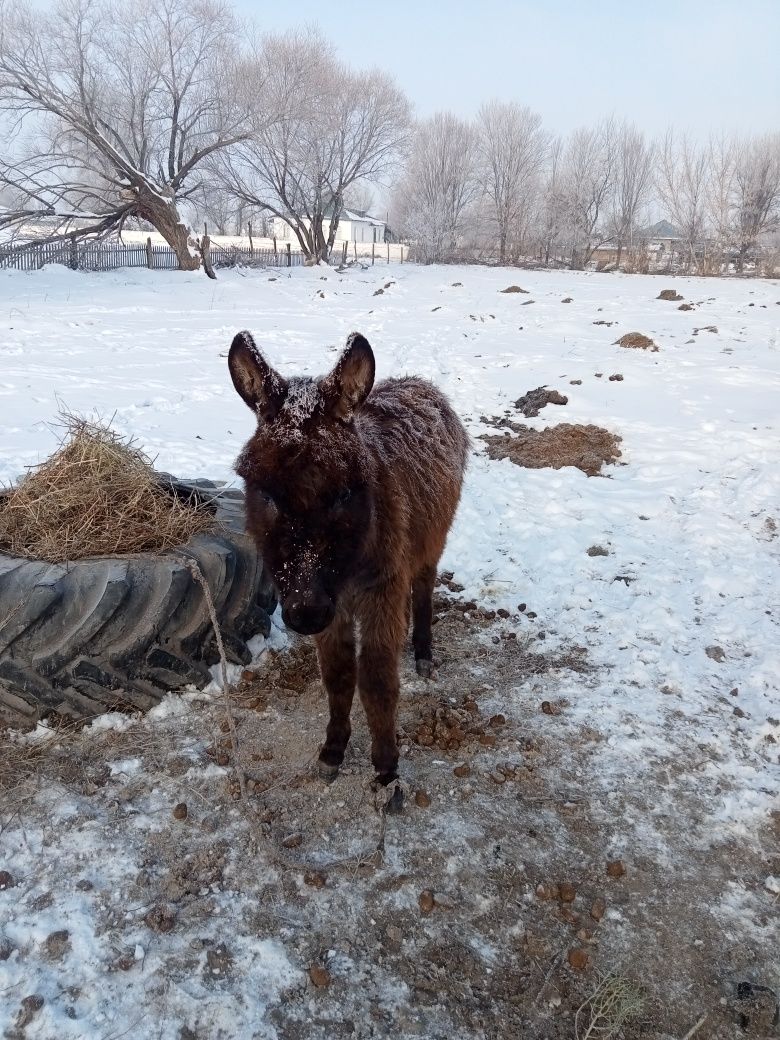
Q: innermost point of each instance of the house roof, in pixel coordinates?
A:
(356, 214)
(353, 214)
(662, 229)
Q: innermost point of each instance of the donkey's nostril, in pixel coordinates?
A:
(307, 618)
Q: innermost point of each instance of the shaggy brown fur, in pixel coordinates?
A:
(351, 489)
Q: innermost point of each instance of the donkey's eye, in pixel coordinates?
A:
(265, 500)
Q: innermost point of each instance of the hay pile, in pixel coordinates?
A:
(97, 495)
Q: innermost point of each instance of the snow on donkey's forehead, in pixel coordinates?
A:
(304, 400)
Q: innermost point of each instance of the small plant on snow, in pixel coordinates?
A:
(615, 1001)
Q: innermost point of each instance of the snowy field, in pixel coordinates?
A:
(663, 754)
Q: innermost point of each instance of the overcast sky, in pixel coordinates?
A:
(700, 64)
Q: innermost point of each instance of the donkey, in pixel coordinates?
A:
(351, 489)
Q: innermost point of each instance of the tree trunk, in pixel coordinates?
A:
(320, 245)
(305, 239)
(205, 252)
(163, 215)
(334, 226)
(502, 246)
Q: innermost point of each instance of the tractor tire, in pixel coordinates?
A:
(118, 633)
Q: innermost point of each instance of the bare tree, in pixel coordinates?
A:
(756, 192)
(589, 179)
(122, 105)
(721, 165)
(633, 184)
(513, 149)
(359, 197)
(338, 128)
(682, 181)
(553, 205)
(439, 185)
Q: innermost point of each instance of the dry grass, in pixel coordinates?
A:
(586, 447)
(615, 1001)
(637, 341)
(97, 495)
(20, 759)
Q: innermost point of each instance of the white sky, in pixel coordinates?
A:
(703, 65)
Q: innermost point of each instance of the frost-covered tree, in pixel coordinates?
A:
(633, 185)
(439, 186)
(756, 192)
(337, 128)
(588, 182)
(513, 149)
(682, 183)
(552, 214)
(113, 108)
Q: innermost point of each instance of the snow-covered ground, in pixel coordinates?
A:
(679, 618)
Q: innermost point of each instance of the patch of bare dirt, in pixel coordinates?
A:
(588, 448)
(531, 403)
(636, 341)
(669, 294)
(493, 901)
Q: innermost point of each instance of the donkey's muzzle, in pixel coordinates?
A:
(307, 618)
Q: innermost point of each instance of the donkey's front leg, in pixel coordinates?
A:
(336, 654)
(382, 632)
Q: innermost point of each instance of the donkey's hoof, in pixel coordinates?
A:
(395, 803)
(327, 772)
(425, 668)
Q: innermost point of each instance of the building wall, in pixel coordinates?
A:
(347, 231)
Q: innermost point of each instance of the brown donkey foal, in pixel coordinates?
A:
(350, 492)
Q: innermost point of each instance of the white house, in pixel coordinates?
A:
(353, 227)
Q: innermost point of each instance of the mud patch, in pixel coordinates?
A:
(531, 403)
(587, 448)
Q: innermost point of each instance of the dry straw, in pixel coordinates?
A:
(97, 495)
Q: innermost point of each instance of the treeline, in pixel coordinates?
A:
(158, 109)
(503, 187)
(163, 112)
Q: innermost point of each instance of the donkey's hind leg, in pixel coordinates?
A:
(422, 617)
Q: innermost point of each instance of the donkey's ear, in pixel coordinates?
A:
(262, 388)
(350, 382)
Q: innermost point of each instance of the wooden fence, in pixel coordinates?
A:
(109, 256)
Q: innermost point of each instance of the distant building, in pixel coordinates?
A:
(661, 243)
(354, 226)
(662, 240)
